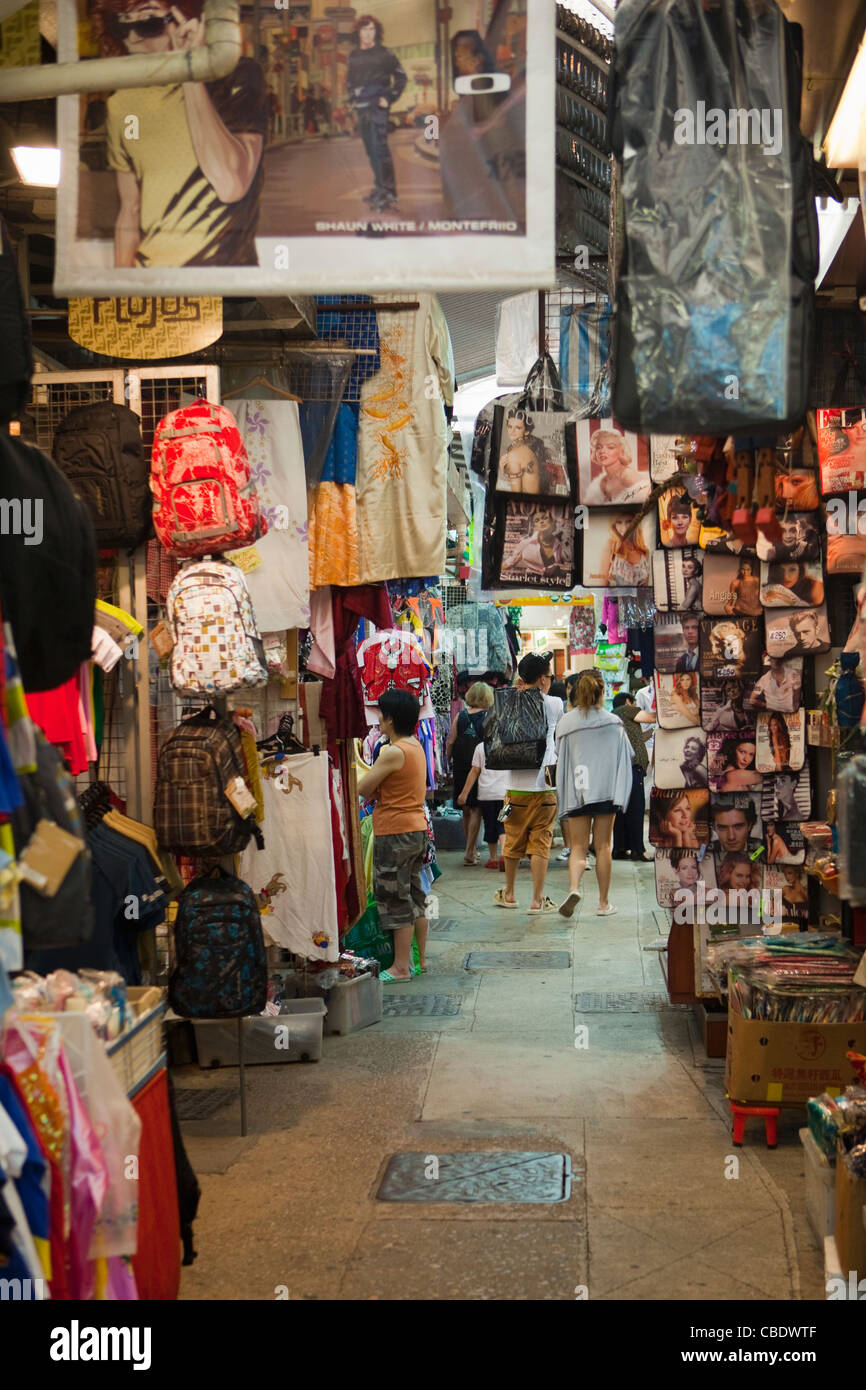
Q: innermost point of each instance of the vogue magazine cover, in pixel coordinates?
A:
(531, 454)
(731, 647)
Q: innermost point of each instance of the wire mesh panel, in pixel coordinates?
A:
(155, 392)
(54, 394)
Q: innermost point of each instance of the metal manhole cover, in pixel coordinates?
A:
(421, 1005)
(200, 1104)
(620, 1002)
(477, 1177)
(517, 960)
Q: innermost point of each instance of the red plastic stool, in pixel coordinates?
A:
(741, 1113)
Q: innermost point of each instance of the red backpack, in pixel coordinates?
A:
(204, 499)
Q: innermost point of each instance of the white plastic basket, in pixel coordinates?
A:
(140, 1052)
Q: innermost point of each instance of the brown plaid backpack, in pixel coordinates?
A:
(192, 813)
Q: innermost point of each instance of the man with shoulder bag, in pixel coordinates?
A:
(531, 805)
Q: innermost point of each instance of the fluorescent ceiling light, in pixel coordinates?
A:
(834, 219)
(37, 164)
(848, 126)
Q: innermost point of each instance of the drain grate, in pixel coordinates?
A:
(421, 1005)
(443, 924)
(477, 1177)
(200, 1103)
(517, 960)
(621, 1002)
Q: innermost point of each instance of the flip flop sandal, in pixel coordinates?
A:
(387, 978)
(500, 899)
(492, 864)
(605, 911)
(567, 908)
(547, 905)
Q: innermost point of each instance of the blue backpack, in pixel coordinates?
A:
(221, 966)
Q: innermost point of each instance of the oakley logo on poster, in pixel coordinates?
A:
(476, 83)
(145, 326)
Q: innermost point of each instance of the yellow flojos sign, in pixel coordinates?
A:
(146, 327)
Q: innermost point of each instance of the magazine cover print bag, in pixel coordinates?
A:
(204, 499)
(531, 455)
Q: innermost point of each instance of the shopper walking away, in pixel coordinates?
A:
(593, 781)
(397, 782)
(628, 826)
(463, 739)
(375, 80)
(532, 803)
(492, 790)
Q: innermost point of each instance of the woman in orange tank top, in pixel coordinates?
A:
(397, 783)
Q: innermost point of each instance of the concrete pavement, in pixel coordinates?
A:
(624, 1089)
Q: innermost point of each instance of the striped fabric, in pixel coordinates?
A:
(584, 351)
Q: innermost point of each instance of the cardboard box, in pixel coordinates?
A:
(713, 1023)
(850, 1230)
(786, 1063)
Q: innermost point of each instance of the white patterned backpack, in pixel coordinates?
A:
(217, 647)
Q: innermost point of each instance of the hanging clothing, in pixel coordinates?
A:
(403, 446)
(293, 876)
(342, 702)
(58, 714)
(392, 660)
(478, 638)
(276, 566)
(333, 537)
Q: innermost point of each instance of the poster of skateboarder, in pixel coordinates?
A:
(339, 135)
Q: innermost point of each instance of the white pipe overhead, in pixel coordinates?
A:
(217, 57)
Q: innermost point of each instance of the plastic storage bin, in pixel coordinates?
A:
(820, 1188)
(353, 1004)
(293, 1036)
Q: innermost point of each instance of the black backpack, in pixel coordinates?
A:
(47, 577)
(99, 449)
(66, 920)
(16, 348)
(470, 732)
(221, 968)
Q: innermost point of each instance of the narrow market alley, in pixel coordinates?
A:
(485, 1054)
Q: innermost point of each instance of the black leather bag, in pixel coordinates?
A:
(515, 730)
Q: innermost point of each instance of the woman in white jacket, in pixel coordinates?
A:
(593, 782)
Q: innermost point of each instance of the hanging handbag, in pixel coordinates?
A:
(515, 730)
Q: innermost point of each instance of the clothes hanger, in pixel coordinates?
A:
(259, 380)
(284, 741)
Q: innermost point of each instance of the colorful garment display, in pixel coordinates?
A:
(276, 566)
(293, 876)
(403, 445)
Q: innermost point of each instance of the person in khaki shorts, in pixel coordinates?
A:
(530, 824)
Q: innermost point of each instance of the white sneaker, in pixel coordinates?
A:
(564, 854)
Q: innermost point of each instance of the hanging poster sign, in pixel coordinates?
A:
(146, 327)
(388, 150)
(20, 43)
